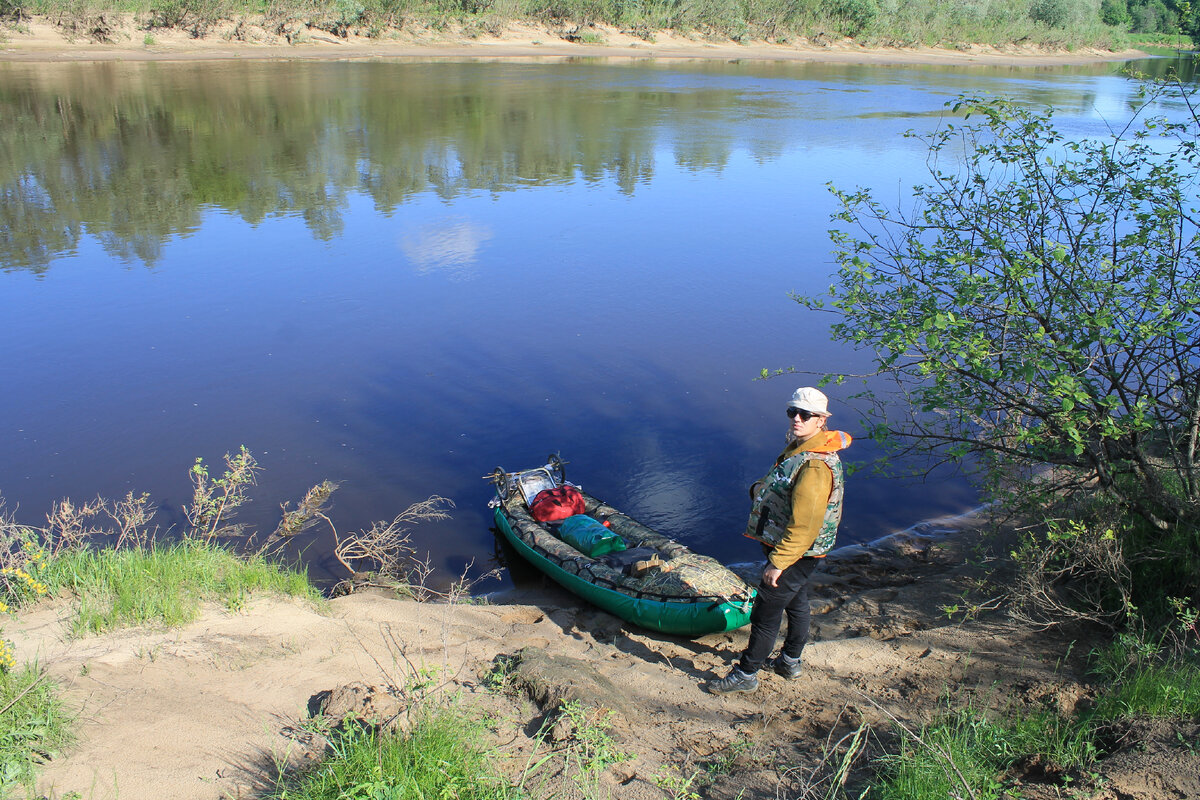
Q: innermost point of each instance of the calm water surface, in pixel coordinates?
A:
(401, 275)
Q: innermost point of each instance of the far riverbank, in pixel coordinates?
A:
(121, 39)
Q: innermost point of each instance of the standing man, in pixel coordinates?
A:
(796, 511)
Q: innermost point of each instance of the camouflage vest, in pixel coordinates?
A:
(772, 510)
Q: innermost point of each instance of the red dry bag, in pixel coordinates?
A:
(552, 505)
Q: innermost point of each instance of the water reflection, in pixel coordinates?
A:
(133, 153)
(399, 275)
(1168, 64)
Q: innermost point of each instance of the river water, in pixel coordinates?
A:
(399, 275)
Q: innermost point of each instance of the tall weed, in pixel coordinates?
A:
(1168, 689)
(13, 10)
(194, 16)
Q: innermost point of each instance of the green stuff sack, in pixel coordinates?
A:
(589, 537)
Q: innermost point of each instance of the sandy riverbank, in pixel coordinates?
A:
(212, 709)
(121, 39)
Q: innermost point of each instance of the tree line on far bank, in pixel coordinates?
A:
(1168, 17)
(1049, 23)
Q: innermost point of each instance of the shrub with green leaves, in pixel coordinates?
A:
(1051, 13)
(1115, 13)
(1038, 306)
(855, 16)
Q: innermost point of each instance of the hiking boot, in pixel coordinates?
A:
(786, 666)
(735, 681)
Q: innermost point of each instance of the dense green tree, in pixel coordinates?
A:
(1115, 13)
(1152, 16)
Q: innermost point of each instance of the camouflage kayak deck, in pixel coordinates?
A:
(691, 594)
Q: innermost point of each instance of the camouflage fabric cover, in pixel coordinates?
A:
(689, 577)
(772, 510)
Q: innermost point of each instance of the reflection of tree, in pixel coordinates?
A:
(133, 154)
(1182, 67)
(30, 232)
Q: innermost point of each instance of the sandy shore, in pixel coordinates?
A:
(215, 709)
(121, 39)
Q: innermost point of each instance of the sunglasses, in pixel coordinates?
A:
(804, 416)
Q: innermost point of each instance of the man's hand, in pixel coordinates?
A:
(771, 575)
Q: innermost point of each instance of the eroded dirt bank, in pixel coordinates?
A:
(213, 709)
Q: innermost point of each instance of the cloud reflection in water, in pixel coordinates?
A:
(450, 245)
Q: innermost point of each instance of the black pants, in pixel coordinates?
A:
(789, 596)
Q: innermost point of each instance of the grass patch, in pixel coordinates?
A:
(440, 756)
(442, 752)
(108, 554)
(969, 753)
(164, 584)
(1146, 681)
(968, 750)
(33, 727)
(1160, 690)
(1169, 40)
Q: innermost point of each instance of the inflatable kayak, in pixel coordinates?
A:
(626, 568)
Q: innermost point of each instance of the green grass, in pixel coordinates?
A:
(1143, 681)
(165, 584)
(32, 729)
(440, 757)
(1168, 40)
(1159, 690)
(443, 752)
(971, 749)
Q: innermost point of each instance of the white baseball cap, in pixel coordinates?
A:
(810, 399)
